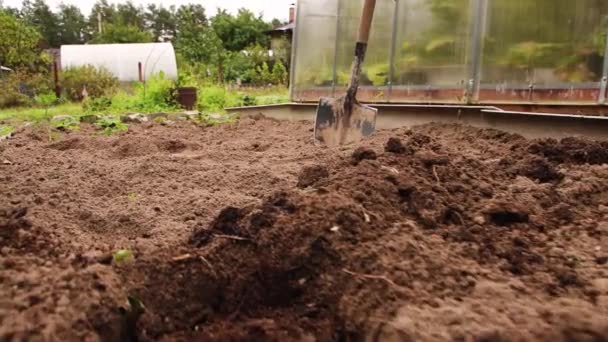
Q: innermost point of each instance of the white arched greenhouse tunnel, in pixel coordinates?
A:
(123, 60)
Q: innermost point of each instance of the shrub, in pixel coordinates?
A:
(97, 82)
(156, 94)
(19, 88)
(279, 73)
(97, 104)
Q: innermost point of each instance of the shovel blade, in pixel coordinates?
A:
(335, 126)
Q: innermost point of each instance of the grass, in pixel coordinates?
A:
(5, 130)
(211, 99)
(38, 114)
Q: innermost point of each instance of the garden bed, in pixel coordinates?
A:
(248, 231)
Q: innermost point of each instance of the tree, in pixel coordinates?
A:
(128, 14)
(19, 43)
(72, 25)
(190, 17)
(276, 23)
(38, 14)
(279, 73)
(101, 10)
(240, 31)
(203, 45)
(161, 22)
(120, 34)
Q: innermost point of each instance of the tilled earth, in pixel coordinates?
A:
(249, 231)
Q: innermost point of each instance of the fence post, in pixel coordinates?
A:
(604, 80)
(336, 45)
(392, 52)
(478, 21)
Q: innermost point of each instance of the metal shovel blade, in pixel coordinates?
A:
(336, 125)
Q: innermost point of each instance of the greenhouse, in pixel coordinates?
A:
(456, 51)
(128, 62)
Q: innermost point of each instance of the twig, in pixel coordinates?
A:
(371, 276)
(231, 237)
(182, 257)
(435, 173)
(208, 264)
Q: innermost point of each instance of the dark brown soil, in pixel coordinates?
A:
(250, 232)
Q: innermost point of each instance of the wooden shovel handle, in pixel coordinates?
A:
(366, 20)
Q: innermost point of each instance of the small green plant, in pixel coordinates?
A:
(122, 255)
(46, 100)
(132, 196)
(111, 125)
(95, 105)
(5, 130)
(66, 123)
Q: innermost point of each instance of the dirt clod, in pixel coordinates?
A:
(363, 153)
(395, 145)
(310, 175)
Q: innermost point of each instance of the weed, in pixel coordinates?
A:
(5, 130)
(66, 123)
(132, 196)
(122, 256)
(111, 125)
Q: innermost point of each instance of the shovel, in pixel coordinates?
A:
(344, 120)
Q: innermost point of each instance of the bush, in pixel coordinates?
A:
(97, 104)
(279, 73)
(156, 94)
(19, 88)
(97, 82)
(215, 98)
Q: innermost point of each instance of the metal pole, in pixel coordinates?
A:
(336, 45)
(604, 81)
(478, 17)
(391, 70)
(294, 50)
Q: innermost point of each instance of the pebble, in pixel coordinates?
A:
(480, 220)
(601, 285)
(602, 227)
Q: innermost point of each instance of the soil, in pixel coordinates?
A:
(249, 231)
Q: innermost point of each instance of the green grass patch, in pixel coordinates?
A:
(5, 130)
(35, 114)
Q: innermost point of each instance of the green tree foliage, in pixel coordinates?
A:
(127, 14)
(19, 43)
(189, 16)
(279, 73)
(101, 10)
(161, 22)
(240, 31)
(38, 14)
(72, 25)
(121, 34)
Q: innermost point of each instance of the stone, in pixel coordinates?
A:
(601, 285)
(134, 118)
(90, 119)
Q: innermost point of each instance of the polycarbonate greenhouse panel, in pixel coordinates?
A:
(375, 73)
(122, 59)
(456, 51)
(431, 49)
(543, 51)
(314, 49)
